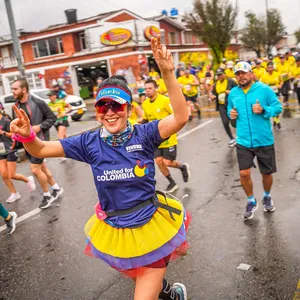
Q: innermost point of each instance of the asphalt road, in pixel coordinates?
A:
(44, 258)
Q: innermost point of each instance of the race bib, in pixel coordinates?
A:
(207, 81)
(222, 98)
(187, 87)
(2, 148)
(274, 89)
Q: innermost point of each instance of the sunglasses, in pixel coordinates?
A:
(103, 107)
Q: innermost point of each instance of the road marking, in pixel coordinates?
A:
(194, 129)
(38, 210)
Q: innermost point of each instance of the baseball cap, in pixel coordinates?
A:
(242, 66)
(230, 64)
(281, 56)
(51, 93)
(219, 72)
(113, 93)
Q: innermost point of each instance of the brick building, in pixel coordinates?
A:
(79, 51)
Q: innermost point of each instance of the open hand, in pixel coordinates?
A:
(162, 56)
(257, 108)
(20, 125)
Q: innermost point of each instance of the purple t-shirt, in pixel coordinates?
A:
(124, 176)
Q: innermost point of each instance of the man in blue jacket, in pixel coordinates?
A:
(251, 105)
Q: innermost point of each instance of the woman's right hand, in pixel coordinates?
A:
(20, 125)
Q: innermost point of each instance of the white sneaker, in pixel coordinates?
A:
(13, 197)
(31, 184)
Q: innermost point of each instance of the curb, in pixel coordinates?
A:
(21, 152)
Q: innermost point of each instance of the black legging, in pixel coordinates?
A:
(298, 94)
(225, 120)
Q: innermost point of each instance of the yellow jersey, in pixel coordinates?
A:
(162, 89)
(296, 71)
(133, 116)
(284, 70)
(157, 110)
(291, 60)
(259, 72)
(59, 108)
(188, 89)
(229, 73)
(221, 88)
(273, 80)
(153, 75)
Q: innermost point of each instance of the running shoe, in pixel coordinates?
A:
(231, 143)
(180, 290)
(185, 171)
(172, 187)
(46, 202)
(13, 197)
(11, 224)
(250, 210)
(268, 204)
(57, 193)
(31, 184)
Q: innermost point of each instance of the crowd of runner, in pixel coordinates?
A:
(246, 94)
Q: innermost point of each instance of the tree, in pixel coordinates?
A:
(275, 29)
(253, 35)
(260, 33)
(214, 22)
(297, 34)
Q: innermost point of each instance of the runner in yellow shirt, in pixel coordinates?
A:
(290, 58)
(284, 69)
(136, 115)
(229, 70)
(201, 77)
(296, 75)
(156, 107)
(152, 74)
(274, 81)
(258, 70)
(162, 89)
(189, 85)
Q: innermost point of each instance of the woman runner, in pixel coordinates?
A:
(8, 161)
(135, 229)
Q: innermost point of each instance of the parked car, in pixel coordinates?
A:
(77, 103)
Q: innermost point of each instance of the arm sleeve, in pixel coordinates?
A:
(274, 107)
(151, 136)
(75, 147)
(49, 116)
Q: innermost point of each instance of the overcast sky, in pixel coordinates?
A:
(38, 14)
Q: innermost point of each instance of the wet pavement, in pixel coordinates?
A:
(44, 258)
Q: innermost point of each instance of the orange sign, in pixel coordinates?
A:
(151, 31)
(116, 36)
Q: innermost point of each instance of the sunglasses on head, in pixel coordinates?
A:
(103, 107)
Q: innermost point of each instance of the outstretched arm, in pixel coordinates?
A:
(36, 147)
(173, 123)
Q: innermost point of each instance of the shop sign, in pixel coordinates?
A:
(151, 31)
(116, 36)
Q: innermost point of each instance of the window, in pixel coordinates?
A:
(9, 99)
(33, 79)
(162, 37)
(173, 38)
(51, 46)
(188, 37)
(82, 40)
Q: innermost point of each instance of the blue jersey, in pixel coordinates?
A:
(123, 176)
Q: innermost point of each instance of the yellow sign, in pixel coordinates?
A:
(116, 36)
(151, 31)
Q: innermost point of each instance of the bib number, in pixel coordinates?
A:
(187, 87)
(222, 98)
(2, 148)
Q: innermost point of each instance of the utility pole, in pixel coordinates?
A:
(14, 35)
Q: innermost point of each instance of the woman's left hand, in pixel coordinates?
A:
(162, 56)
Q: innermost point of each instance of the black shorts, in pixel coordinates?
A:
(34, 160)
(191, 98)
(63, 123)
(167, 153)
(265, 158)
(11, 156)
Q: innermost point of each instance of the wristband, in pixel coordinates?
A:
(22, 139)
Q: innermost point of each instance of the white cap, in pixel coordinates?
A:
(230, 64)
(242, 66)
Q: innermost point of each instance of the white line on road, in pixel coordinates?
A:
(37, 210)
